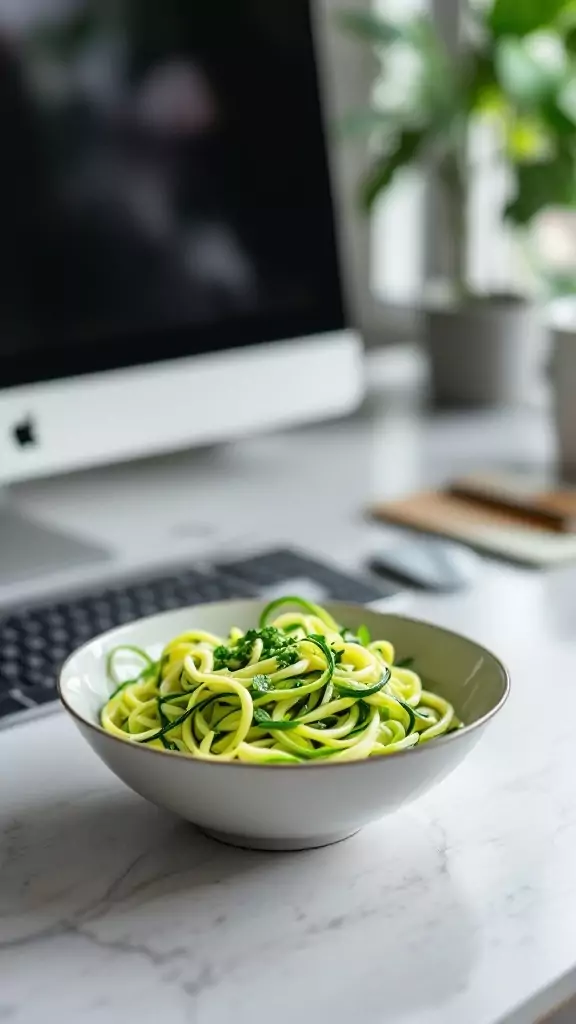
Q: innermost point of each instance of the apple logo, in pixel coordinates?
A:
(24, 433)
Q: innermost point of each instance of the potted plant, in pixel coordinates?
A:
(514, 68)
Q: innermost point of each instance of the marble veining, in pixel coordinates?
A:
(458, 910)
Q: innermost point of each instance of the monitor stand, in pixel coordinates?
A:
(30, 550)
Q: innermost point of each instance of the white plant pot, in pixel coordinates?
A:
(563, 378)
(484, 353)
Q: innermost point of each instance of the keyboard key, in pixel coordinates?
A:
(330, 583)
(9, 705)
(10, 670)
(32, 695)
(35, 643)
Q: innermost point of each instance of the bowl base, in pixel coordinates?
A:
(279, 845)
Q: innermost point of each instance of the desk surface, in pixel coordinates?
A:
(459, 910)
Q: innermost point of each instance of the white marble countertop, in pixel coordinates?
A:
(456, 911)
(459, 910)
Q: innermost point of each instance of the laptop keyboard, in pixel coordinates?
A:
(34, 642)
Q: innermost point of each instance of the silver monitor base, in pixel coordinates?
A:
(29, 550)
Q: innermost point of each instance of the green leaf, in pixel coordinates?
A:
(570, 40)
(558, 117)
(417, 31)
(483, 89)
(520, 17)
(528, 141)
(365, 122)
(525, 80)
(370, 26)
(540, 185)
(405, 152)
(560, 284)
(564, 104)
(364, 635)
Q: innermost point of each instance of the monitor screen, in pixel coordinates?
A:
(163, 182)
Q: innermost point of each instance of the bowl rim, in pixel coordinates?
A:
(440, 741)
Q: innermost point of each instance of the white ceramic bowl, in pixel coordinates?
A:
(289, 806)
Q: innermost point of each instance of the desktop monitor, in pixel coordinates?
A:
(169, 272)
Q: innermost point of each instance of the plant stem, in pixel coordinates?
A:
(454, 196)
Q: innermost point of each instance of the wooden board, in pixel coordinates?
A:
(549, 501)
(514, 535)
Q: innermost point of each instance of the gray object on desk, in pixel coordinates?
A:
(427, 563)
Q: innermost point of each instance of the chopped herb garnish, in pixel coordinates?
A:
(275, 644)
(362, 637)
(348, 636)
(261, 684)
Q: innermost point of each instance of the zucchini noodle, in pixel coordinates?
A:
(297, 689)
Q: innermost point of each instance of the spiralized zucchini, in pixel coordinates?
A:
(297, 689)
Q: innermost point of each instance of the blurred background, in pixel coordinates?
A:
(452, 133)
(277, 278)
(133, 189)
(468, 184)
